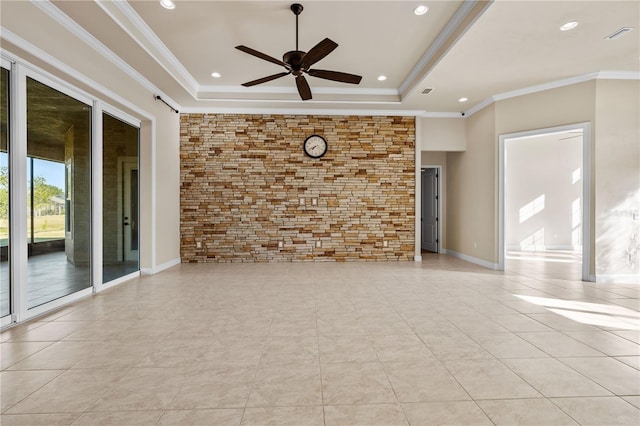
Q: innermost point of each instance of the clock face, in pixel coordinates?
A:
(315, 146)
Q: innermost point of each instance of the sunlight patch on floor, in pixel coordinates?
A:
(589, 313)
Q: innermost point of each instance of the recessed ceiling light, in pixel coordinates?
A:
(216, 75)
(167, 4)
(382, 77)
(421, 10)
(463, 99)
(569, 26)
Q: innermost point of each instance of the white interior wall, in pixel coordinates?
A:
(442, 134)
(543, 189)
(617, 181)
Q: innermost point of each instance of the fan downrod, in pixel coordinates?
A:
(296, 8)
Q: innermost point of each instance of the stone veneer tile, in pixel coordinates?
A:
(242, 178)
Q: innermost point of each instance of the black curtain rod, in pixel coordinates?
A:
(165, 102)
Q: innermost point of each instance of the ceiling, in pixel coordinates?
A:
(474, 49)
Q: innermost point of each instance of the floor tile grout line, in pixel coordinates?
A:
(258, 367)
(324, 419)
(95, 401)
(545, 396)
(406, 417)
(173, 398)
(34, 391)
(551, 400)
(590, 345)
(589, 378)
(484, 412)
(27, 356)
(395, 394)
(546, 351)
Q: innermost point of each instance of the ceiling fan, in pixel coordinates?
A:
(298, 63)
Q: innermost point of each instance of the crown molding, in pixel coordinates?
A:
(298, 101)
(618, 75)
(291, 89)
(301, 111)
(279, 94)
(545, 86)
(427, 114)
(128, 19)
(601, 75)
(72, 26)
(478, 107)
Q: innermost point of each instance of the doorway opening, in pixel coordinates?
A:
(430, 232)
(544, 202)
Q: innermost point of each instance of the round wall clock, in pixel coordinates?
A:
(315, 146)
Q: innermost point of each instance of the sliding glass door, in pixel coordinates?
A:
(69, 194)
(5, 287)
(58, 194)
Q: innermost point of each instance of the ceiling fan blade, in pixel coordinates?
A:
(342, 77)
(261, 55)
(265, 79)
(303, 88)
(318, 52)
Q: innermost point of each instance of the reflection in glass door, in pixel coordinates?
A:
(120, 201)
(130, 225)
(58, 194)
(5, 288)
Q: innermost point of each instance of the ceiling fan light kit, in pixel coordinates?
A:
(298, 62)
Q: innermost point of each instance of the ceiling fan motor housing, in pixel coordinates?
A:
(294, 58)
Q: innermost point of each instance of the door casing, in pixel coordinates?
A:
(586, 190)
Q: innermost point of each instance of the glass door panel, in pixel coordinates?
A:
(5, 284)
(120, 201)
(58, 194)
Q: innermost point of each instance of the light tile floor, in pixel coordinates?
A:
(442, 342)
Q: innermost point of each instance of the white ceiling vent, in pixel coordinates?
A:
(619, 33)
(426, 91)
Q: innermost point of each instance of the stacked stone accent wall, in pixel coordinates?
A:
(246, 187)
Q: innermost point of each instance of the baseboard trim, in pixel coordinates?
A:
(545, 248)
(471, 259)
(159, 268)
(120, 280)
(616, 278)
(417, 258)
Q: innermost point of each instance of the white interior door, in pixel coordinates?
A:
(130, 225)
(430, 210)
